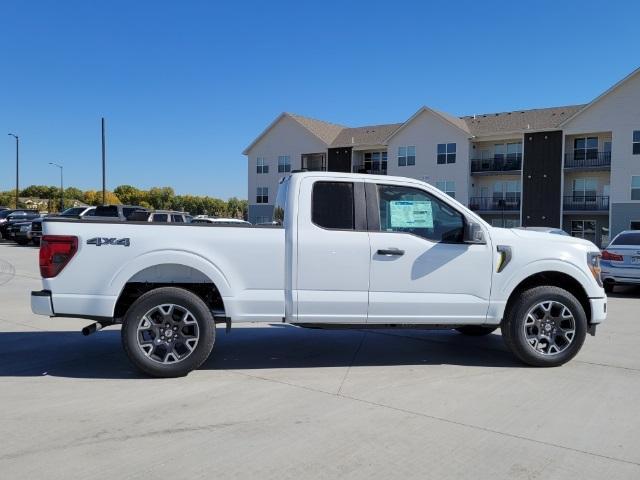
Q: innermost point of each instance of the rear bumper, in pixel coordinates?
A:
(627, 275)
(41, 303)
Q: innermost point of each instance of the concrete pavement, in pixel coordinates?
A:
(284, 402)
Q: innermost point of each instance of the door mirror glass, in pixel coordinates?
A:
(473, 233)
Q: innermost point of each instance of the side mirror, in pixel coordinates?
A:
(473, 233)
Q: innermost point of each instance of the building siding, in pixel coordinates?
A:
(425, 132)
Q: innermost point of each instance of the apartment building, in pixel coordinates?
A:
(576, 167)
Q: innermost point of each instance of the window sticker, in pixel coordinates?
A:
(411, 214)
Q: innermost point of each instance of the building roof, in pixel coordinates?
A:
(519, 121)
(367, 135)
(325, 131)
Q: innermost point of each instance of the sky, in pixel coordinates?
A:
(186, 85)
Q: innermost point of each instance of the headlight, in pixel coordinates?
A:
(593, 260)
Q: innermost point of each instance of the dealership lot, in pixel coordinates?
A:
(279, 401)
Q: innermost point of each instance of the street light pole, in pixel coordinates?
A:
(17, 164)
(61, 186)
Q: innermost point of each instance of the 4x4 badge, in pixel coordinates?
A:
(98, 241)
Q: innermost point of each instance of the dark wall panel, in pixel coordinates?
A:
(542, 179)
(339, 160)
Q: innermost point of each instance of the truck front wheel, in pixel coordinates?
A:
(168, 332)
(545, 326)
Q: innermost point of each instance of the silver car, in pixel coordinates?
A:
(621, 260)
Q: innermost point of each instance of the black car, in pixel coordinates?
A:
(8, 217)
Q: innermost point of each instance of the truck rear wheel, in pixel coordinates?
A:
(545, 327)
(476, 330)
(168, 332)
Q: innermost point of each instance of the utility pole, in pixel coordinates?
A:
(61, 186)
(17, 165)
(104, 184)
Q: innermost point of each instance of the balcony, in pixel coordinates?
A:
(490, 204)
(314, 162)
(497, 164)
(585, 203)
(588, 159)
(371, 168)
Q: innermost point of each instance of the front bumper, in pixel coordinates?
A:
(41, 303)
(598, 310)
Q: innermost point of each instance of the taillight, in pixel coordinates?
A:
(612, 256)
(55, 253)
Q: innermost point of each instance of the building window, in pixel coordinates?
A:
(332, 205)
(284, 163)
(448, 187)
(262, 195)
(508, 191)
(636, 142)
(635, 187)
(376, 162)
(446, 153)
(505, 222)
(508, 151)
(261, 166)
(584, 229)
(585, 148)
(406, 156)
(585, 189)
(261, 219)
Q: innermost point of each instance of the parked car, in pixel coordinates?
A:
(8, 217)
(35, 232)
(352, 251)
(17, 231)
(168, 216)
(114, 212)
(621, 260)
(78, 212)
(220, 221)
(555, 231)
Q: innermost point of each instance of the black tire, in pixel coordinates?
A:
(608, 287)
(476, 330)
(513, 326)
(21, 241)
(36, 242)
(184, 300)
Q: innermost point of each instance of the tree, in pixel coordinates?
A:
(237, 208)
(160, 197)
(130, 195)
(73, 193)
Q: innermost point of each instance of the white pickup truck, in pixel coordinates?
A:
(345, 251)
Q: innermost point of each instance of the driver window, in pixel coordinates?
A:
(410, 210)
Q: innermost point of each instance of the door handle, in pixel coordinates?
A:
(390, 251)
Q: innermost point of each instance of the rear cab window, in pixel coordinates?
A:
(332, 205)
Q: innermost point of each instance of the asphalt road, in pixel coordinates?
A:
(283, 402)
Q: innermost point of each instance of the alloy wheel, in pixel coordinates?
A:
(549, 327)
(168, 333)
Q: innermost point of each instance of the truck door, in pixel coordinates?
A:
(332, 273)
(421, 271)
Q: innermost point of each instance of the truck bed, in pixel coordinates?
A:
(246, 264)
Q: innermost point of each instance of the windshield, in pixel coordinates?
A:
(281, 200)
(72, 212)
